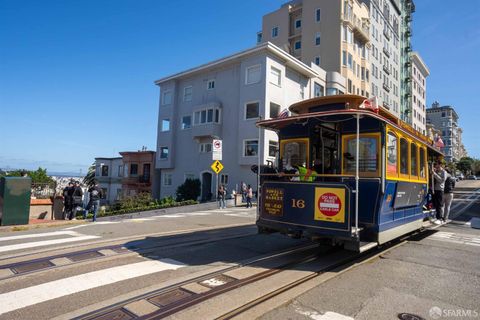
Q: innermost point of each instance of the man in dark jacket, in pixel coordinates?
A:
(96, 193)
(448, 194)
(68, 200)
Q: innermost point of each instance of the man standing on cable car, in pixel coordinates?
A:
(439, 177)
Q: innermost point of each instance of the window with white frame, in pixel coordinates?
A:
(274, 32)
(163, 153)
(186, 122)
(272, 148)
(211, 85)
(274, 110)
(252, 110)
(190, 176)
(167, 179)
(275, 76)
(253, 74)
(317, 60)
(165, 125)
(224, 178)
(205, 116)
(317, 15)
(318, 90)
(250, 148)
(205, 147)
(167, 98)
(120, 171)
(298, 24)
(187, 93)
(317, 39)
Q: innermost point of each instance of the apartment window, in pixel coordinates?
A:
(224, 179)
(317, 39)
(318, 90)
(211, 84)
(163, 152)
(298, 45)
(187, 93)
(259, 37)
(205, 116)
(120, 171)
(250, 148)
(167, 179)
(252, 110)
(317, 60)
(344, 33)
(167, 98)
(317, 15)
(344, 57)
(272, 148)
(205, 147)
(349, 86)
(350, 61)
(253, 74)
(133, 169)
(274, 110)
(104, 171)
(165, 125)
(298, 23)
(104, 193)
(186, 122)
(274, 32)
(275, 76)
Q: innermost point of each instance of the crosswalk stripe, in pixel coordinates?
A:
(55, 289)
(39, 235)
(44, 243)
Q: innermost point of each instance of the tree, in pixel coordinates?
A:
(465, 165)
(89, 179)
(38, 176)
(189, 190)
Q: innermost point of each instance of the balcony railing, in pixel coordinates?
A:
(387, 53)
(361, 27)
(386, 69)
(386, 87)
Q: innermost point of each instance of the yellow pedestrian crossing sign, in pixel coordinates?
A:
(217, 166)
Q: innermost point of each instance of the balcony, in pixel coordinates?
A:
(386, 33)
(386, 105)
(408, 49)
(386, 87)
(385, 50)
(386, 69)
(408, 32)
(207, 130)
(360, 27)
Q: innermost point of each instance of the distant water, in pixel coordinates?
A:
(65, 174)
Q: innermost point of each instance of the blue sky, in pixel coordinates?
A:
(76, 77)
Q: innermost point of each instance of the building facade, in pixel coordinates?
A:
(385, 39)
(223, 100)
(445, 120)
(109, 174)
(334, 35)
(406, 86)
(419, 76)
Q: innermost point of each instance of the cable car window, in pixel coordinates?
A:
(403, 156)
(294, 153)
(413, 158)
(368, 154)
(392, 151)
(422, 163)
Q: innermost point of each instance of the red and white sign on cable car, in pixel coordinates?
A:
(370, 104)
(217, 149)
(330, 204)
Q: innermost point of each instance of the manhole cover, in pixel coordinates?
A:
(217, 281)
(170, 297)
(32, 266)
(409, 316)
(85, 256)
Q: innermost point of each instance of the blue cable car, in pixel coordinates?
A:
(346, 172)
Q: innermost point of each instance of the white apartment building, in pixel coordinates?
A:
(223, 100)
(419, 76)
(385, 49)
(109, 173)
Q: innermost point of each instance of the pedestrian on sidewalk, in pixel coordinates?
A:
(448, 194)
(244, 191)
(68, 200)
(77, 200)
(439, 177)
(222, 192)
(249, 196)
(96, 193)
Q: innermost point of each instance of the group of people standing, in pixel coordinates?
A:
(246, 190)
(73, 200)
(443, 186)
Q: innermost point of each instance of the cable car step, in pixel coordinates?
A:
(359, 246)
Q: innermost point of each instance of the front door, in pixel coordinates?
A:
(207, 186)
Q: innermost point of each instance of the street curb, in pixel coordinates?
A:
(26, 227)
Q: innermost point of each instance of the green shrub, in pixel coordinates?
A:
(189, 190)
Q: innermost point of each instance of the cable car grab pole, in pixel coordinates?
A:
(357, 151)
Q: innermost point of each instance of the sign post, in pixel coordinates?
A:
(217, 166)
(217, 149)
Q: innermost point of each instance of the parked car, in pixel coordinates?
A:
(471, 177)
(460, 176)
